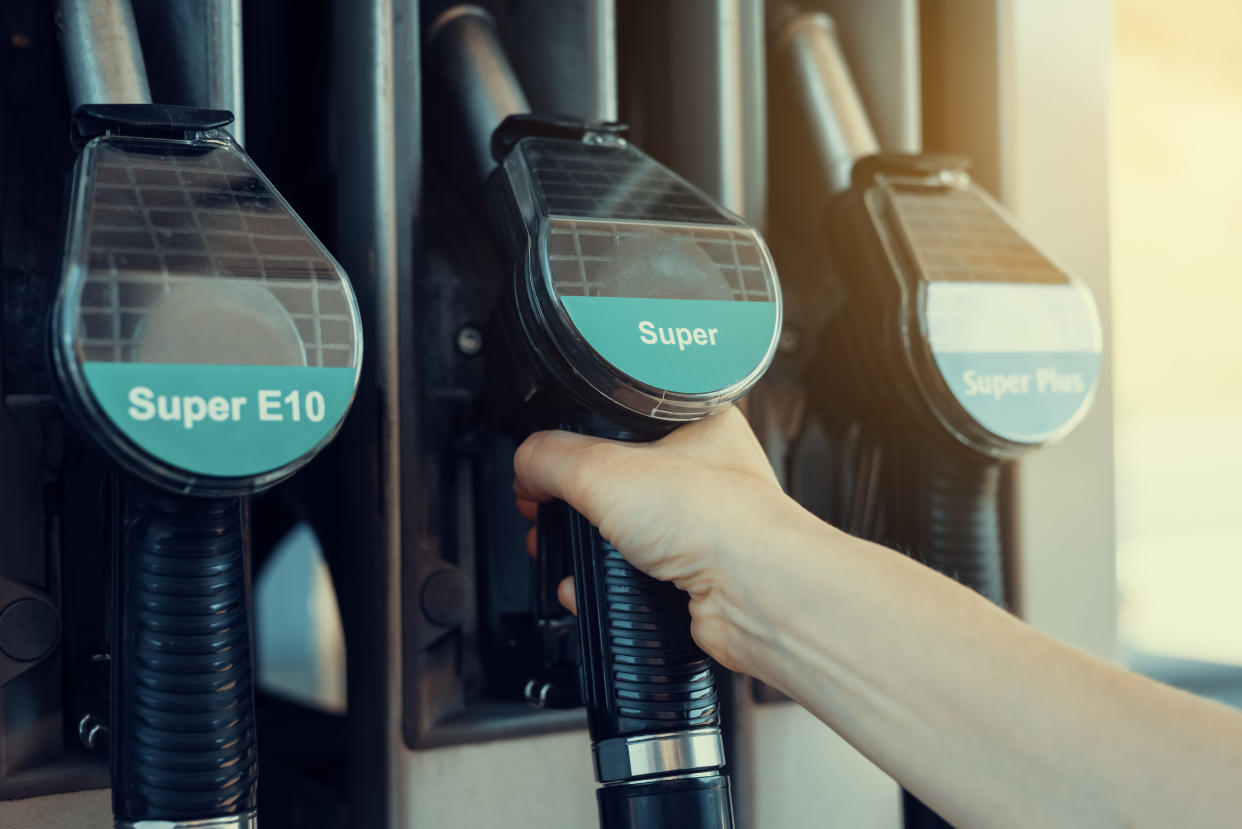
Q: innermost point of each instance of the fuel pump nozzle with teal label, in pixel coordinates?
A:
(958, 346)
(633, 303)
(207, 344)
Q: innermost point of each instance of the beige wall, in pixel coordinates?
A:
(1056, 58)
(1177, 116)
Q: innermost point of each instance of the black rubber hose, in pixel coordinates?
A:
(183, 732)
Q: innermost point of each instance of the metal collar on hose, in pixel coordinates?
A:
(655, 755)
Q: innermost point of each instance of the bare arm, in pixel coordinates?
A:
(979, 715)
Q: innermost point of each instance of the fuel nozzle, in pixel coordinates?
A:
(208, 345)
(983, 335)
(630, 302)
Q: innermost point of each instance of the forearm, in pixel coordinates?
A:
(976, 713)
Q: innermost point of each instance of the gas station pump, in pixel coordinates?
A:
(958, 345)
(177, 345)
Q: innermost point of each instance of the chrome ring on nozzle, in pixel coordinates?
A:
(248, 820)
(652, 755)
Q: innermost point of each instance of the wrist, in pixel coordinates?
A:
(768, 585)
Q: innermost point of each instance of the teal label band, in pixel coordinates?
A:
(222, 420)
(689, 346)
(1026, 396)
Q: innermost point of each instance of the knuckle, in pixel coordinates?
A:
(591, 465)
(527, 451)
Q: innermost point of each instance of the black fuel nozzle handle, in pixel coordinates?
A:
(183, 722)
(961, 533)
(642, 670)
(652, 704)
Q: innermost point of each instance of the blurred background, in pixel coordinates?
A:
(1177, 344)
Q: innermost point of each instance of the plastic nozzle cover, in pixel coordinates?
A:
(656, 298)
(203, 337)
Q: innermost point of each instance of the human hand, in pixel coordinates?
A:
(698, 508)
